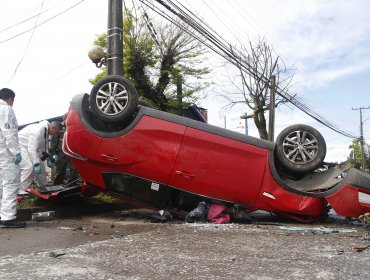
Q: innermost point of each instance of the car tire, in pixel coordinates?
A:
(113, 99)
(300, 148)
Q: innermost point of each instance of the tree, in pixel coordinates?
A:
(256, 82)
(355, 155)
(156, 61)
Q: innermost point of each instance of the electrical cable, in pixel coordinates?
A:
(239, 9)
(323, 94)
(28, 44)
(29, 18)
(59, 78)
(305, 108)
(221, 47)
(28, 30)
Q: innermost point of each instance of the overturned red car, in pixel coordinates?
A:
(163, 161)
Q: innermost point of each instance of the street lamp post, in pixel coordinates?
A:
(115, 38)
(113, 58)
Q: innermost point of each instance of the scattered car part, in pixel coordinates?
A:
(43, 216)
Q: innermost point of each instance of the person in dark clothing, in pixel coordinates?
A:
(63, 162)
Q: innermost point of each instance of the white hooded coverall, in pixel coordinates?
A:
(33, 140)
(9, 172)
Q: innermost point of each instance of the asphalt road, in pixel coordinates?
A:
(124, 244)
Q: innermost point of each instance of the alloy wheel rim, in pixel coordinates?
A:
(300, 147)
(112, 98)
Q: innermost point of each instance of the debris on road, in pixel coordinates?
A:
(317, 229)
(365, 218)
(218, 213)
(367, 236)
(56, 254)
(360, 248)
(73, 228)
(43, 216)
(161, 216)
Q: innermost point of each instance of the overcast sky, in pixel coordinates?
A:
(327, 43)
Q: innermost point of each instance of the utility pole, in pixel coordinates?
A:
(272, 109)
(179, 93)
(115, 38)
(362, 137)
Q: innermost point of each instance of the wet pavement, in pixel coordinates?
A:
(125, 244)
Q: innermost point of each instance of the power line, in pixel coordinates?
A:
(309, 19)
(29, 18)
(28, 44)
(240, 10)
(28, 30)
(215, 42)
(36, 92)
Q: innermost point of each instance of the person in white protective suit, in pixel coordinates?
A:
(10, 157)
(33, 140)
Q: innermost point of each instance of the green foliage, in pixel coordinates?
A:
(138, 50)
(101, 41)
(355, 155)
(154, 63)
(102, 74)
(102, 197)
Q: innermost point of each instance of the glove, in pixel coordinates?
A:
(55, 158)
(49, 163)
(17, 159)
(37, 168)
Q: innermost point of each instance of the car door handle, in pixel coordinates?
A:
(109, 157)
(184, 174)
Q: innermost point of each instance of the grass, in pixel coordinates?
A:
(102, 197)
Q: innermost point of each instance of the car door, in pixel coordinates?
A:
(147, 151)
(219, 167)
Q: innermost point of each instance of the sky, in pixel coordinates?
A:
(326, 44)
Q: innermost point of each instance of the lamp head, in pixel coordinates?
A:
(97, 55)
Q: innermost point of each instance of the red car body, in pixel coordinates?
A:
(160, 160)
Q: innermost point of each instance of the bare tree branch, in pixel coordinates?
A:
(255, 83)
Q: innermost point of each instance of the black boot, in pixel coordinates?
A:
(12, 224)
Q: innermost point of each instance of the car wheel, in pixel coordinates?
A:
(300, 148)
(113, 99)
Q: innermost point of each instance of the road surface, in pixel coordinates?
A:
(124, 244)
